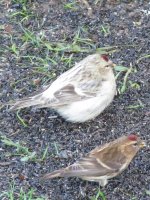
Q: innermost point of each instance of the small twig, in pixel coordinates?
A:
(146, 56)
(43, 73)
(20, 119)
(56, 148)
(52, 117)
(5, 163)
(123, 88)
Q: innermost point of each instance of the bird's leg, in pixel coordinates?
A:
(103, 182)
(117, 92)
(83, 189)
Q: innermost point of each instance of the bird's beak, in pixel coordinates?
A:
(142, 144)
(111, 64)
(114, 65)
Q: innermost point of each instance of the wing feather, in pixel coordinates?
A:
(88, 167)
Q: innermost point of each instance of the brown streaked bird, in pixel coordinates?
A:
(104, 162)
(79, 94)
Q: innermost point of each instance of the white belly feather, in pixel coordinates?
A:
(81, 111)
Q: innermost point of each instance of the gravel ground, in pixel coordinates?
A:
(33, 142)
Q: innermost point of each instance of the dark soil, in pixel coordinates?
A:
(129, 28)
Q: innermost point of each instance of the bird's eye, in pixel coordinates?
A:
(135, 144)
(107, 66)
(105, 57)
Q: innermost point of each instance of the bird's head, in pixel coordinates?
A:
(131, 144)
(135, 140)
(104, 62)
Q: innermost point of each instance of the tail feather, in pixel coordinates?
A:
(30, 101)
(57, 173)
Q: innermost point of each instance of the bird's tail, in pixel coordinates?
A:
(27, 102)
(57, 173)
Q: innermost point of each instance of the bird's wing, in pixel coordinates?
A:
(110, 154)
(63, 96)
(68, 94)
(88, 166)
